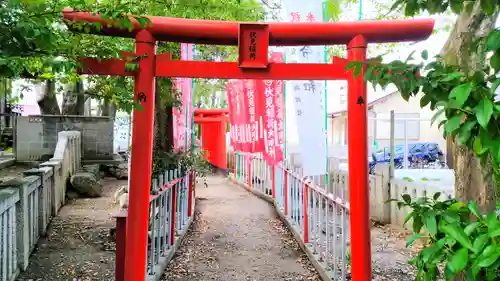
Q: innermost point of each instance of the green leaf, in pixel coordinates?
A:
(417, 224)
(457, 233)
(412, 239)
(456, 206)
(493, 40)
(352, 65)
(495, 85)
(465, 131)
(453, 123)
(472, 206)
(495, 61)
(494, 232)
(459, 260)
(406, 198)
(488, 6)
(369, 73)
(470, 228)
(484, 110)
(456, 6)
(357, 71)
(431, 224)
(451, 76)
(478, 147)
(480, 242)
(425, 55)
(436, 195)
(425, 100)
(449, 272)
(461, 93)
(490, 255)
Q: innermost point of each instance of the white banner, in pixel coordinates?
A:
(308, 98)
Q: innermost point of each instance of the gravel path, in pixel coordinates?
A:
(78, 246)
(235, 237)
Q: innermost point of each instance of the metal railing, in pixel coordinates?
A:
(319, 217)
(170, 209)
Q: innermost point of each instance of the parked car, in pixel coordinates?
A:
(420, 155)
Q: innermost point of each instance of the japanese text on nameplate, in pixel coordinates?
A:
(253, 45)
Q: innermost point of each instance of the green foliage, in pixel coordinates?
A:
(36, 43)
(456, 237)
(465, 98)
(192, 159)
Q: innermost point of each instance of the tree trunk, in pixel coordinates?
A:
(107, 109)
(74, 100)
(48, 102)
(163, 126)
(472, 181)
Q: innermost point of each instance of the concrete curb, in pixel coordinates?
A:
(164, 261)
(319, 266)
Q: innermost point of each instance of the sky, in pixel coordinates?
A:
(371, 9)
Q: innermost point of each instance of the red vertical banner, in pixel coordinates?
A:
(230, 93)
(242, 116)
(279, 110)
(271, 107)
(254, 116)
(269, 123)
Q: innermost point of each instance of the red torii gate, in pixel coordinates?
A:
(253, 40)
(213, 134)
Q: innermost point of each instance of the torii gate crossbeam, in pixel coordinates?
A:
(251, 65)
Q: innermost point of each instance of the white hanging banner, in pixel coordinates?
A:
(308, 97)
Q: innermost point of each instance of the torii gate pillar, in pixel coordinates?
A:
(142, 147)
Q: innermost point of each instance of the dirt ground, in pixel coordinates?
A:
(389, 254)
(78, 246)
(237, 236)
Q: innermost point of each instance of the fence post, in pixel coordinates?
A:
(190, 193)
(238, 166)
(273, 181)
(121, 230)
(285, 191)
(306, 215)
(235, 165)
(249, 171)
(172, 214)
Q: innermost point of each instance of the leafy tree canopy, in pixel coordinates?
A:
(36, 43)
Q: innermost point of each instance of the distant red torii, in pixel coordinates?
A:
(213, 124)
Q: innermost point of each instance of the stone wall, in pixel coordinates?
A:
(28, 203)
(36, 136)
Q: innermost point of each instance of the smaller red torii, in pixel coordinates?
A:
(213, 124)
